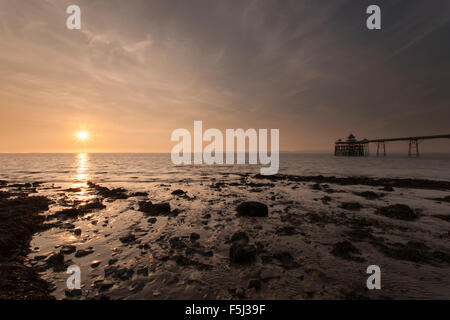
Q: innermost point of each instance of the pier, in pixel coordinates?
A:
(353, 147)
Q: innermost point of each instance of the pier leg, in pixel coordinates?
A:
(413, 148)
(381, 147)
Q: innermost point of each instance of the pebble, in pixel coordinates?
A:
(95, 263)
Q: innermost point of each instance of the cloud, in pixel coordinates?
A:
(310, 68)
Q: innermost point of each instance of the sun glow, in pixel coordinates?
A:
(82, 135)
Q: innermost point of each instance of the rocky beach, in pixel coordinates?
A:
(215, 151)
(232, 236)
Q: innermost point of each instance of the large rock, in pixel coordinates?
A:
(56, 261)
(369, 195)
(80, 210)
(242, 253)
(68, 249)
(105, 285)
(194, 236)
(73, 293)
(285, 259)
(118, 193)
(178, 192)
(398, 211)
(347, 250)
(354, 206)
(154, 209)
(95, 263)
(83, 252)
(252, 209)
(240, 237)
(177, 243)
(129, 238)
(444, 199)
(118, 272)
(254, 283)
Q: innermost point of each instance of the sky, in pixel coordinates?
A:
(139, 69)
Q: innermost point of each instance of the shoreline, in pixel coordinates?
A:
(20, 219)
(259, 251)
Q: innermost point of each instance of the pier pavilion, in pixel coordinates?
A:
(351, 147)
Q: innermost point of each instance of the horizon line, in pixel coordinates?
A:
(131, 152)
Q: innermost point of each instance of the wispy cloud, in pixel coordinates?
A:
(139, 69)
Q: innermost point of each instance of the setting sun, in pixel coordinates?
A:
(82, 135)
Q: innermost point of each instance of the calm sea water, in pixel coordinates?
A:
(142, 168)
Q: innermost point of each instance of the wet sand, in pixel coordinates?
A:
(239, 237)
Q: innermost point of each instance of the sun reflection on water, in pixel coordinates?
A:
(81, 178)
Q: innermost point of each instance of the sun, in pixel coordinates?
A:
(82, 135)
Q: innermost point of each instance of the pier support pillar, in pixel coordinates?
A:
(381, 148)
(413, 148)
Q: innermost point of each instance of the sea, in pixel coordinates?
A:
(135, 168)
